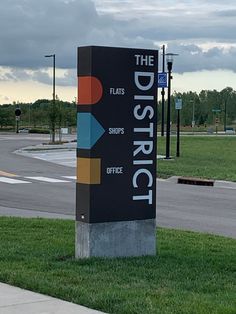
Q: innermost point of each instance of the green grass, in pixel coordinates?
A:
(192, 273)
(200, 156)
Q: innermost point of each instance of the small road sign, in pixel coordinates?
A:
(178, 103)
(162, 80)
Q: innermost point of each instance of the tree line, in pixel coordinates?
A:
(204, 108)
(42, 114)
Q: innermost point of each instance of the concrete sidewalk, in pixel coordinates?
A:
(18, 301)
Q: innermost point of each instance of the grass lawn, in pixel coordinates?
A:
(193, 273)
(208, 157)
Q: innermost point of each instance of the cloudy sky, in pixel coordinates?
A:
(202, 32)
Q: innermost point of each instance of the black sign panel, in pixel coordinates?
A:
(116, 145)
(17, 112)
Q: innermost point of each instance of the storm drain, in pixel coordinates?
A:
(195, 181)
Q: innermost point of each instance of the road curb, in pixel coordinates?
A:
(195, 181)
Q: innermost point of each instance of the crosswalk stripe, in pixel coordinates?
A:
(46, 179)
(12, 181)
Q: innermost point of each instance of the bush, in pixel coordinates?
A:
(7, 129)
(39, 131)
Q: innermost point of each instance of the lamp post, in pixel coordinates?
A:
(169, 60)
(53, 92)
(163, 95)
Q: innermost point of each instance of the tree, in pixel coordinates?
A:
(7, 116)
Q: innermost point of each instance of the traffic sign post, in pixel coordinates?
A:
(178, 107)
(216, 111)
(217, 123)
(178, 103)
(162, 80)
(116, 152)
(17, 114)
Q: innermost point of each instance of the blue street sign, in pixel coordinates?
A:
(162, 80)
(178, 103)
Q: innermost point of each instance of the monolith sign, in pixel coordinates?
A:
(116, 151)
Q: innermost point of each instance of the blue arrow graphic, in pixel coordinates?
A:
(89, 130)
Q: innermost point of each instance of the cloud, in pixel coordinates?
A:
(64, 78)
(32, 28)
(4, 98)
(192, 58)
(226, 13)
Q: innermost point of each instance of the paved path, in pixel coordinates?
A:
(58, 154)
(14, 300)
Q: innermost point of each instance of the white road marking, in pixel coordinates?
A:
(65, 158)
(46, 179)
(12, 181)
(70, 177)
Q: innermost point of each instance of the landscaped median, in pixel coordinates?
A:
(192, 273)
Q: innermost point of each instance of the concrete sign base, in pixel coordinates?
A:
(116, 239)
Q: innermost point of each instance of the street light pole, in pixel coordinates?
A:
(163, 96)
(169, 66)
(53, 91)
(169, 59)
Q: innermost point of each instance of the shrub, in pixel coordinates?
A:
(41, 131)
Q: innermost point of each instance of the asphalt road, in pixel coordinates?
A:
(206, 209)
(197, 208)
(36, 195)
